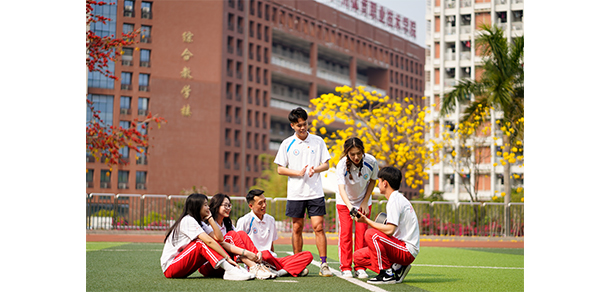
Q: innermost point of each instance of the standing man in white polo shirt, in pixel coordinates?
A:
(260, 227)
(393, 246)
(302, 157)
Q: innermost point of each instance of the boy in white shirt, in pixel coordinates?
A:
(395, 242)
(260, 227)
(302, 157)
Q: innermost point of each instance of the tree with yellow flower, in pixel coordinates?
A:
(391, 131)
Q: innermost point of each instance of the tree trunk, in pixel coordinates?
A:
(507, 190)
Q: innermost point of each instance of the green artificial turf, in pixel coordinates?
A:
(136, 267)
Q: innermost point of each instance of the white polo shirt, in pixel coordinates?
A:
(189, 230)
(262, 232)
(356, 187)
(295, 154)
(400, 212)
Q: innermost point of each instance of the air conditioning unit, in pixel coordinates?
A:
(125, 111)
(144, 64)
(142, 112)
(140, 186)
(143, 88)
(128, 8)
(105, 185)
(126, 86)
(127, 63)
(122, 185)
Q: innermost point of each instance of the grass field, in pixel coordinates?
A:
(136, 267)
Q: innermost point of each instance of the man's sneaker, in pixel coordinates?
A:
(361, 274)
(261, 272)
(303, 273)
(400, 272)
(237, 274)
(382, 278)
(325, 271)
(346, 274)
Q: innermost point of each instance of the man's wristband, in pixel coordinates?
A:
(243, 251)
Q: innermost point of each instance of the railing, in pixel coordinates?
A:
(158, 212)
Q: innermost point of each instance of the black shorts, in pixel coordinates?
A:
(315, 207)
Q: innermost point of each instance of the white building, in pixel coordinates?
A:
(450, 36)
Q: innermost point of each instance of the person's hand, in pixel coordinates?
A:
(231, 261)
(255, 257)
(311, 171)
(362, 218)
(302, 172)
(364, 208)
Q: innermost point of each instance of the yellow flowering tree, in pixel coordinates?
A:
(391, 131)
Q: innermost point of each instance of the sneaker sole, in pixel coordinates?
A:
(376, 283)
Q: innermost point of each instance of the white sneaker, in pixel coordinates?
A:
(237, 274)
(303, 273)
(261, 272)
(325, 270)
(361, 274)
(346, 274)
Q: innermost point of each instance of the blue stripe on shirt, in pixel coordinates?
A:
(290, 145)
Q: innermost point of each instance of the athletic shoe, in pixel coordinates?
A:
(261, 272)
(382, 278)
(400, 272)
(325, 271)
(346, 274)
(361, 274)
(237, 274)
(303, 273)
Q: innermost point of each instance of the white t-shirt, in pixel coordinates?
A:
(400, 212)
(262, 232)
(189, 230)
(295, 154)
(356, 188)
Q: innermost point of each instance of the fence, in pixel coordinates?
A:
(158, 212)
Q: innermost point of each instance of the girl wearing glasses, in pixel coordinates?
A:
(237, 243)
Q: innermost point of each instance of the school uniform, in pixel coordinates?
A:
(355, 190)
(401, 248)
(262, 234)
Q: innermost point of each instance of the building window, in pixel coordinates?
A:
(145, 32)
(141, 158)
(142, 106)
(147, 10)
(125, 105)
(126, 80)
(105, 179)
(104, 104)
(140, 180)
(128, 8)
(143, 82)
(227, 160)
(128, 28)
(90, 178)
(99, 80)
(127, 57)
(123, 179)
(226, 184)
(144, 58)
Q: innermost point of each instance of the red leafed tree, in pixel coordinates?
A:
(104, 141)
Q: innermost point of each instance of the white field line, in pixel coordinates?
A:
(467, 267)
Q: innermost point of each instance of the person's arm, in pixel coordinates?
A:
(387, 229)
(320, 168)
(240, 251)
(343, 194)
(210, 242)
(216, 234)
(364, 206)
(281, 170)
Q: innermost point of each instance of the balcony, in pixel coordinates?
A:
(104, 185)
(146, 39)
(123, 186)
(143, 88)
(449, 82)
(125, 86)
(140, 186)
(465, 55)
(467, 3)
(449, 30)
(145, 64)
(449, 56)
(125, 111)
(333, 76)
(141, 161)
(465, 29)
(290, 64)
(517, 25)
(127, 62)
(142, 112)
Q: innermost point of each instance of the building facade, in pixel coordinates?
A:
(450, 35)
(225, 75)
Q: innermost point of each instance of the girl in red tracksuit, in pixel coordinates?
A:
(356, 178)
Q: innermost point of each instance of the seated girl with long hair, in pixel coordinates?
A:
(189, 247)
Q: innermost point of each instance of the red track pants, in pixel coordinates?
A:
(382, 251)
(345, 238)
(293, 264)
(196, 255)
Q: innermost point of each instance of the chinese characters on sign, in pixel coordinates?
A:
(379, 14)
(187, 37)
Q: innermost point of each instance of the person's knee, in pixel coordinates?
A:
(297, 226)
(318, 227)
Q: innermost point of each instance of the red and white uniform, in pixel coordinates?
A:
(262, 234)
(355, 190)
(184, 253)
(295, 154)
(401, 248)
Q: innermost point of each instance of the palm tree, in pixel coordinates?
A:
(500, 87)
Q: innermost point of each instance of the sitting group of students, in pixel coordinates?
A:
(204, 238)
